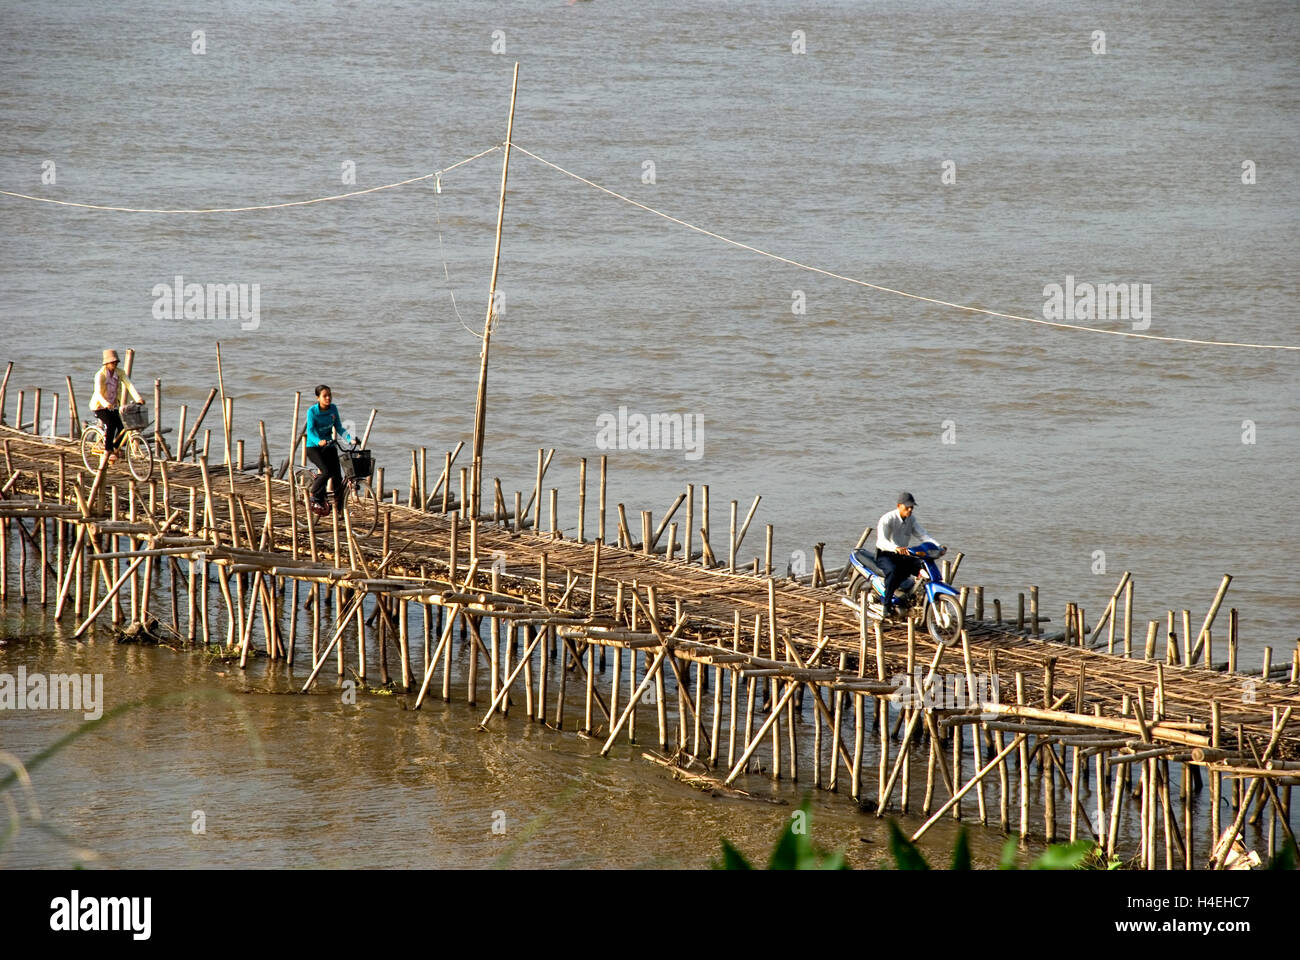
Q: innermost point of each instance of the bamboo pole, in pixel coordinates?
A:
(4, 387)
(731, 550)
(601, 507)
(705, 553)
(198, 422)
(651, 673)
(582, 504)
(112, 593)
(978, 778)
(1023, 764)
(74, 421)
(1108, 616)
(480, 405)
(1128, 618)
(773, 715)
(1232, 640)
(858, 736)
(744, 527)
(1204, 634)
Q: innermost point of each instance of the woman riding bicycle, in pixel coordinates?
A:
(323, 424)
(111, 387)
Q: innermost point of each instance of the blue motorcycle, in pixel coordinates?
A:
(924, 596)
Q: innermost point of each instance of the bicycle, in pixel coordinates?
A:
(139, 456)
(360, 498)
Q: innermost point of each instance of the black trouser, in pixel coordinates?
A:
(112, 422)
(898, 567)
(326, 460)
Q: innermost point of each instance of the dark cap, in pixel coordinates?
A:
(906, 499)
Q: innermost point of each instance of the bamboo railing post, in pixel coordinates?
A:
(744, 527)
(4, 387)
(1128, 618)
(424, 479)
(536, 501)
(159, 448)
(1213, 612)
(187, 442)
(704, 526)
(1109, 615)
(601, 504)
(690, 523)
(74, 415)
(1232, 641)
(582, 500)
(731, 551)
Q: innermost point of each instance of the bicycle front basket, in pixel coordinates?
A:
(133, 416)
(356, 464)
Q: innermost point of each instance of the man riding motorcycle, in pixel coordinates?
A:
(893, 533)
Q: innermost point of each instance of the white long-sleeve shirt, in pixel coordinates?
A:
(893, 532)
(110, 389)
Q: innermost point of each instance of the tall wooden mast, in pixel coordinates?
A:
(480, 404)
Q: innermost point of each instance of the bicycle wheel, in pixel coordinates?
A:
(303, 478)
(92, 448)
(139, 458)
(363, 507)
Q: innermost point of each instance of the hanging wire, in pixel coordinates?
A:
(264, 206)
(446, 274)
(899, 293)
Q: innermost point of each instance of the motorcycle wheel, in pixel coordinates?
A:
(943, 618)
(857, 584)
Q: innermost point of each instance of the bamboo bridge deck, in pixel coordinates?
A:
(736, 629)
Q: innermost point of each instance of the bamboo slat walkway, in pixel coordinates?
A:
(764, 637)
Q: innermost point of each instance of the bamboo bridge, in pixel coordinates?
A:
(729, 669)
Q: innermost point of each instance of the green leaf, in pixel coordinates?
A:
(794, 850)
(961, 851)
(906, 855)
(1008, 859)
(1063, 856)
(1285, 859)
(835, 861)
(732, 859)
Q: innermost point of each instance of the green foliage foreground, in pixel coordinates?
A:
(795, 851)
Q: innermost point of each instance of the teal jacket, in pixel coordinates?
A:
(322, 425)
